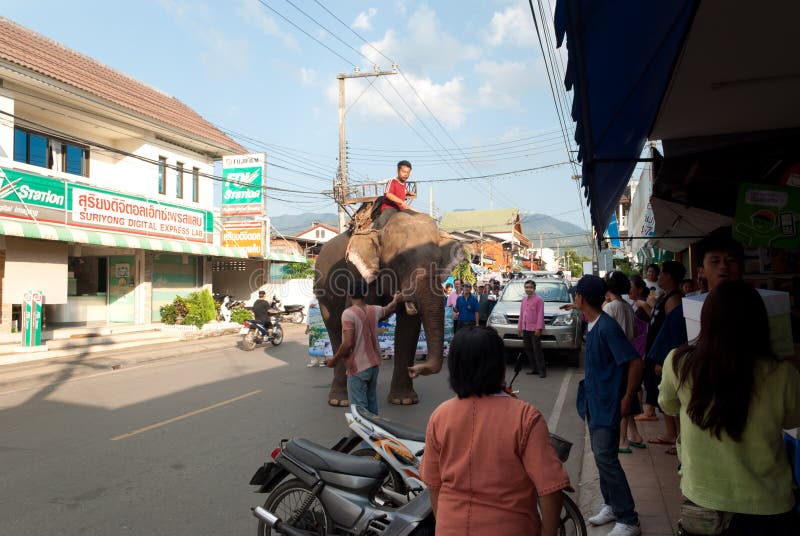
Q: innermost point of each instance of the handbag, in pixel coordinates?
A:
(696, 519)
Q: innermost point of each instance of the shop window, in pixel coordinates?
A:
(43, 151)
(195, 185)
(179, 181)
(162, 175)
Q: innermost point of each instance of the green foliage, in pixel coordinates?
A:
(298, 270)
(575, 262)
(624, 266)
(463, 270)
(169, 314)
(240, 314)
(201, 309)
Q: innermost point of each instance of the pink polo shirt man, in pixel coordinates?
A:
(531, 313)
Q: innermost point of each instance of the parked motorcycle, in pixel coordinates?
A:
(293, 313)
(226, 305)
(331, 492)
(255, 333)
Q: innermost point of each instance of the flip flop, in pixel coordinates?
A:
(625, 451)
(637, 444)
(644, 417)
(660, 441)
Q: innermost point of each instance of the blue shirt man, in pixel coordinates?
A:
(613, 375)
(467, 307)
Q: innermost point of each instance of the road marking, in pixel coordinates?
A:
(185, 415)
(555, 415)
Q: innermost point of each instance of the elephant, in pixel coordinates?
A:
(408, 254)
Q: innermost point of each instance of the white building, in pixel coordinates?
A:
(318, 232)
(106, 193)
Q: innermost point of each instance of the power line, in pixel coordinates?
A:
(495, 175)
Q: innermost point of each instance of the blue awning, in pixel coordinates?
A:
(620, 60)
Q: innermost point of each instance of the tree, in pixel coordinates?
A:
(624, 266)
(298, 270)
(574, 262)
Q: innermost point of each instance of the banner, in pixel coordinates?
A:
(243, 186)
(767, 215)
(32, 197)
(247, 235)
(319, 343)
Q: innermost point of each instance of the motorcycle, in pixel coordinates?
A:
(226, 305)
(293, 313)
(255, 332)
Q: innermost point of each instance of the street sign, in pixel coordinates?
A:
(32, 318)
(249, 236)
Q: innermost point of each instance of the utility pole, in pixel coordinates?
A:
(430, 202)
(341, 178)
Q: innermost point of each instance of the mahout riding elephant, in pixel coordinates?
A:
(408, 254)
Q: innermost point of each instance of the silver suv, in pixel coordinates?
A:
(562, 329)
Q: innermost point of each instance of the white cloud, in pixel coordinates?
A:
(504, 84)
(363, 20)
(513, 26)
(253, 12)
(444, 100)
(424, 44)
(308, 77)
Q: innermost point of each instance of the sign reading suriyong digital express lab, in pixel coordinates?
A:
(243, 186)
(26, 196)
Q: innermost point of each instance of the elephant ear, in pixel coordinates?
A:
(363, 252)
(452, 253)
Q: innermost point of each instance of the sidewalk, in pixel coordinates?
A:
(653, 477)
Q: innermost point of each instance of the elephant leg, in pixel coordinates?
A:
(405, 346)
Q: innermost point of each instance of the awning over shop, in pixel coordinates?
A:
(621, 56)
(284, 257)
(66, 234)
(679, 226)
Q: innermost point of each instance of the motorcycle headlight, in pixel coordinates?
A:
(563, 320)
(497, 318)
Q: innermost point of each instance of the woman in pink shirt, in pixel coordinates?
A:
(488, 456)
(530, 326)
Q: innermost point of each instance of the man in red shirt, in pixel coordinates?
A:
(394, 197)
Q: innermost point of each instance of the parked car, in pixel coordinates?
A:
(562, 329)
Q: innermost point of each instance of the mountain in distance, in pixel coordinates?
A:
(291, 224)
(553, 230)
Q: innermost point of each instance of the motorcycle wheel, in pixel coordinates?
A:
(571, 521)
(249, 341)
(297, 317)
(277, 336)
(287, 499)
(393, 481)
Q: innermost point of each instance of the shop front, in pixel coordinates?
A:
(98, 256)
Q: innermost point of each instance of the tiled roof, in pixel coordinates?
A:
(500, 220)
(39, 54)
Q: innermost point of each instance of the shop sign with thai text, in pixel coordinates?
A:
(244, 183)
(768, 215)
(32, 197)
(245, 235)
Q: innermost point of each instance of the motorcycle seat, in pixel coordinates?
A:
(324, 459)
(398, 430)
(293, 308)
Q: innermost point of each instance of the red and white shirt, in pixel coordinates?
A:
(366, 351)
(393, 186)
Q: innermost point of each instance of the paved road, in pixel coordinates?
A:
(168, 447)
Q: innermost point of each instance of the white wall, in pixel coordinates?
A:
(327, 234)
(6, 128)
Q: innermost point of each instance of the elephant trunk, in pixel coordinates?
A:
(432, 311)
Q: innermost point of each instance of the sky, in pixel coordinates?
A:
(471, 98)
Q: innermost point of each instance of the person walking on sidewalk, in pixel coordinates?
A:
(530, 326)
(613, 370)
(734, 399)
(359, 349)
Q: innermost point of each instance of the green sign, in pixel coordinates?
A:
(46, 200)
(32, 318)
(768, 215)
(243, 186)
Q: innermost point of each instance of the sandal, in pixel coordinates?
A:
(637, 444)
(644, 417)
(625, 451)
(660, 441)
